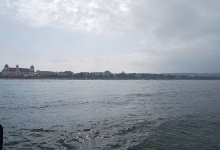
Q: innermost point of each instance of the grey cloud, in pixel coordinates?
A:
(185, 34)
(169, 20)
(165, 19)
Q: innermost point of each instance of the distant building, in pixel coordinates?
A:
(46, 73)
(61, 74)
(16, 72)
(51, 73)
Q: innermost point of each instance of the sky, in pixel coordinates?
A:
(142, 36)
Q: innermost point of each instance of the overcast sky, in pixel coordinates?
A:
(149, 36)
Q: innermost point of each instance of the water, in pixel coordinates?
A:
(73, 114)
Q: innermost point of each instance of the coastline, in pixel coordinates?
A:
(103, 79)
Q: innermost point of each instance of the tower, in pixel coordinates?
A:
(17, 68)
(17, 72)
(31, 73)
(32, 68)
(6, 68)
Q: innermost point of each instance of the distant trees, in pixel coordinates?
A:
(107, 75)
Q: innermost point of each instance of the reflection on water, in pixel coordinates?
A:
(53, 114)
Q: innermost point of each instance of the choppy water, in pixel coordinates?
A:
(73, 114)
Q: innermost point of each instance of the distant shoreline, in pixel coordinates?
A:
(98, 79)
(119, 76)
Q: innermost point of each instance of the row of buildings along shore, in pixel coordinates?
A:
(30, 73)
(21, 73)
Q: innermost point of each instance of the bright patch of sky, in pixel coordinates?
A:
(118, 35)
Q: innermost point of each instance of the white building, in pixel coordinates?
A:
(25, 72)
(46, 73)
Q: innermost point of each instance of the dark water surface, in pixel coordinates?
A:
(73, 114)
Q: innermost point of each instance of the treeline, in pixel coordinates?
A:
(129, 76)
(118, 76)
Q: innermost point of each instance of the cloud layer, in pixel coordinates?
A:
(177, 36)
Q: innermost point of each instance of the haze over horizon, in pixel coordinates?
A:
(152, 36)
